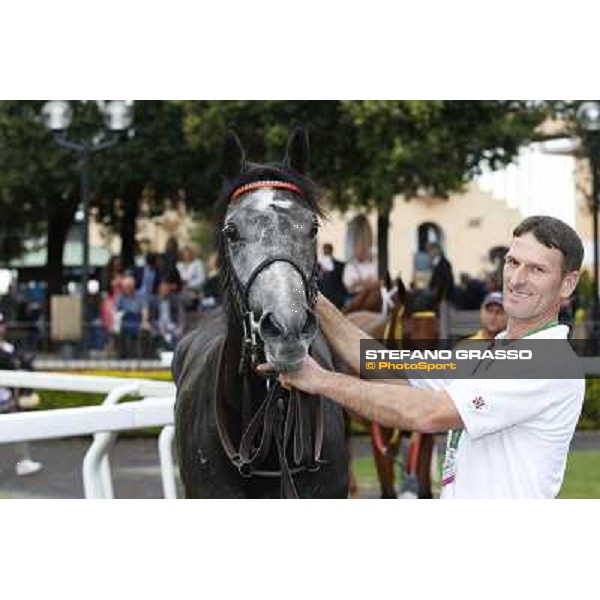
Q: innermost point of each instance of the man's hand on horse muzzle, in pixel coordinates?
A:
(309, 378)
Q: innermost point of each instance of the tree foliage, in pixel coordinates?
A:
(37, 180)
(364, 153)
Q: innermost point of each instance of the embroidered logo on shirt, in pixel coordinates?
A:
(478, 404)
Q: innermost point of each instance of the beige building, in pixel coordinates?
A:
(467, 225)
(152, 232)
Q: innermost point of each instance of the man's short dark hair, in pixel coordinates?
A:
(554, 233)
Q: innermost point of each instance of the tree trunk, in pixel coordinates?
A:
(383, 227)
(130, 212)
(60, 219)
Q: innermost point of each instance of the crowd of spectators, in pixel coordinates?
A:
(433, 279)
(139, 311)
(147, 309)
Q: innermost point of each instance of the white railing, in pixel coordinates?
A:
(155, 409)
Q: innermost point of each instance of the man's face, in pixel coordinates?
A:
(493, 318)
(533, 282)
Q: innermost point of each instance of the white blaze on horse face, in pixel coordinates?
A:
(265, 198)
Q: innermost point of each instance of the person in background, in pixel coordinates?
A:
(442, 278)
(131, 309)
(331, 277)
(11, 359)
(112, 285)
(441, 287)
(112, 275)
(360, 273)
(493, 318)
(167, 317)
(211, 290)
(149, 276)
(191, 270)
(167, 265)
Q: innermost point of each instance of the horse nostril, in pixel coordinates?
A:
(310, 325)
(269, 327)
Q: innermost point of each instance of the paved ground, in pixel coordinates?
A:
(134, 464)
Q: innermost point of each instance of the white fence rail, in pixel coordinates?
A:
(155, 409)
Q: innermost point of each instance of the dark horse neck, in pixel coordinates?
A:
(237, 399)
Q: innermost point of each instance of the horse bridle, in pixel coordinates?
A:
(283, 414)
(251, 346)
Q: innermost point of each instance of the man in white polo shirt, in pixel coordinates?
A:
(510, 437)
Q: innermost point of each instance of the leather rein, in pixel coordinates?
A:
(287, 417)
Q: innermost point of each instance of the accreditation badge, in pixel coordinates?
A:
(449, 467)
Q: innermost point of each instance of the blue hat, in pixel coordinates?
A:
(493, 298)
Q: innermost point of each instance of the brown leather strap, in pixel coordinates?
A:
(283, 416)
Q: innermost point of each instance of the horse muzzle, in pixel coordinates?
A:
(287, 337)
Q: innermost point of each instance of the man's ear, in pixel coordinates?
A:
(232, 159)
(297, 152)
(569, 283)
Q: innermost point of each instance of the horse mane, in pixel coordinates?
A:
(311, 196)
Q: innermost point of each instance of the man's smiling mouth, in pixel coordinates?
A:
(518, 294)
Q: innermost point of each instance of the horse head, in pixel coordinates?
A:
(267, 229)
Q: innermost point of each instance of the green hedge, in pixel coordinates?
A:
(51, 399)
(55, 399)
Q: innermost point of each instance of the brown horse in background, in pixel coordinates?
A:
(408, 321)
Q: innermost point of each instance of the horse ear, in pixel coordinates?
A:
(297, 152)
(232, 161)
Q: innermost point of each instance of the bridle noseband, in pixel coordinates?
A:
(252, 345)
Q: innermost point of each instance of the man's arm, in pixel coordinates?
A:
(423, 410)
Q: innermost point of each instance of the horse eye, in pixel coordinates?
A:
(232, 232)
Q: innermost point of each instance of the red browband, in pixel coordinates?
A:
(282, 185)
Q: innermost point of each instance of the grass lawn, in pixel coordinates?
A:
(582, 478)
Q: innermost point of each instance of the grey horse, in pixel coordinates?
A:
(240, 435)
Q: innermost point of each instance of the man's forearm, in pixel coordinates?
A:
(424, 410)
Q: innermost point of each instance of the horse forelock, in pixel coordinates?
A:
(310, 193)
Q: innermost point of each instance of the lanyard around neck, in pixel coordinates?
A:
(542, 327)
